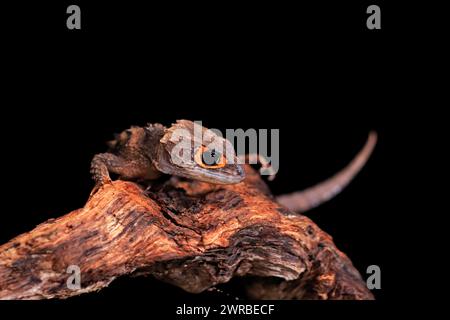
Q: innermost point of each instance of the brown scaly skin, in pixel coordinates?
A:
(144, 153)
(130, 155)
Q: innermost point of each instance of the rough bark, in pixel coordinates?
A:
(193, 235)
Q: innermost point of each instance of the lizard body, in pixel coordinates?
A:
(145, 153)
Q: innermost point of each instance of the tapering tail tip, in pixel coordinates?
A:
(372, 140)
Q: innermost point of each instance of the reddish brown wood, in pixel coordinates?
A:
(193, 235)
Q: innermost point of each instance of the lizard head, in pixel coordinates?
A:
(190, 150)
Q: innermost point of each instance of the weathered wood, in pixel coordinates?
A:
(193, 235)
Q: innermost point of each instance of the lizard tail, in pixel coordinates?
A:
(312, 197)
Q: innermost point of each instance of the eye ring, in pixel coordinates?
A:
(198, 157)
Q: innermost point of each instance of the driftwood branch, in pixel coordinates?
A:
(193, 235)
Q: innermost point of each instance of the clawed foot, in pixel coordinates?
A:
(99, 185)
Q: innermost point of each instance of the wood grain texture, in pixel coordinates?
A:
(191, 234)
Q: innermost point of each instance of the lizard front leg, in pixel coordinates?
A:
(104, 163)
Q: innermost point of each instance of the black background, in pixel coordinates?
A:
(313, 71)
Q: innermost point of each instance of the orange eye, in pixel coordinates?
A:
(209, 159)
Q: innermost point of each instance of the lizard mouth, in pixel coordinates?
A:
(227, 175)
